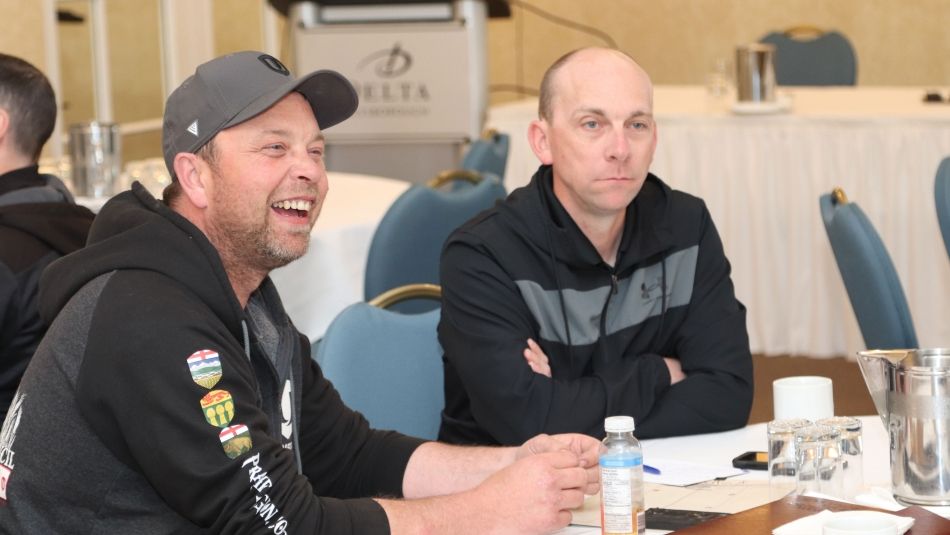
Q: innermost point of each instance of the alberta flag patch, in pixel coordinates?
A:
(235, 440)
(205, 367)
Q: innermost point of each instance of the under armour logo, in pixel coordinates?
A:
(193, 128)
(273, 64)
(645, 290)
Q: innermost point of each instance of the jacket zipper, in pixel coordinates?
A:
(614, 288)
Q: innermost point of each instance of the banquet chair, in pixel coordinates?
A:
(489, 154)
(388, 365)
(806, 55)
(873, 286)
(407, 244)
(942, 195)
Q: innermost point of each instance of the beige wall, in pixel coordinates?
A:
(22, 30)
(237, 26)
(678, 41)
(76, 98)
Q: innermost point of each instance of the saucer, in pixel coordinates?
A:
(866, 522)
(779, 105)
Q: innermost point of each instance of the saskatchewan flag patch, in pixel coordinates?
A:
(218, 407)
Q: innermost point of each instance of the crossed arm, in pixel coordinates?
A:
(538, 362)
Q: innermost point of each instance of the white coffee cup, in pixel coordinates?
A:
(809, 397)
(860, 522)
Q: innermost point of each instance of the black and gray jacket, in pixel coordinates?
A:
(525, 270)
(156, 404)
(39, 222)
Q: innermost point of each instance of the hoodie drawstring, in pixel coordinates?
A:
(247, 340)
(659, 330)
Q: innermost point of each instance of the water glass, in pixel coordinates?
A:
(817, 451)
(151, 173)
(783, 463)
(851, 451)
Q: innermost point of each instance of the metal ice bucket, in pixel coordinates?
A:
(96, 158)
(911, 392)
(755, 73)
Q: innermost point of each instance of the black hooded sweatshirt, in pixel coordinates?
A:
(525, 270)
(39, 222)
(156, 404)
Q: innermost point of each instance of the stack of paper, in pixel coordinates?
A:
(683, 473)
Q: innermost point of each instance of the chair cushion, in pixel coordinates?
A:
(387, 366)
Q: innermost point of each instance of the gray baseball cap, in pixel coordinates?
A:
(231, 89)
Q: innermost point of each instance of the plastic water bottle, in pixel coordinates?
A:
(621, 478)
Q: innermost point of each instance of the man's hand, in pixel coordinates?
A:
(536, 493)
(586, 448)
(537, 360)
(676, 370)
(531, 492)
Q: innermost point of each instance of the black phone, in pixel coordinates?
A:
(752, 460)
(674, 519)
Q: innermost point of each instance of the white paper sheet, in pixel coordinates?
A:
(683, 473)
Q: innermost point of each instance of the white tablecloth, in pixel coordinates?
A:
(316, 287)
(742, 491)
(761, 176)
(718, 449)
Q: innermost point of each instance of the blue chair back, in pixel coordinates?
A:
(488, 155)
(387, 366)
(407, 244)
(942, 194)
(825, 60)
(874, 289)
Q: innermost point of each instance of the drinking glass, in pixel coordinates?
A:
(817, 451)
(851, 451)
(783, 463)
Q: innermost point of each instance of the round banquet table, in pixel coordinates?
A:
(316, 287)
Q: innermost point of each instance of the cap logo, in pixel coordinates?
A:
(193, 128)
(273, 64)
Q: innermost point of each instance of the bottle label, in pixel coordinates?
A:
(617, 500)
(620, 462)
(622, 495)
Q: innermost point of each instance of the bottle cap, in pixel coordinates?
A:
(619, 424)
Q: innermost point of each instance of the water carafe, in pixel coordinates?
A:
(755, 74)
(911, 391)
(96, 158)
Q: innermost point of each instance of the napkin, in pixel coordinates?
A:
(811, 525)
(879, 498)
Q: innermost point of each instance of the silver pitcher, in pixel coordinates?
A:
(911, 392)
(755, 73)
(96, 158)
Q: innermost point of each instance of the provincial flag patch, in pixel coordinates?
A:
(218, 407)
(235, 440)
(205, 367)
(5, 474)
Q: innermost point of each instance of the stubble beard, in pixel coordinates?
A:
(257, 247)
(278, 252)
